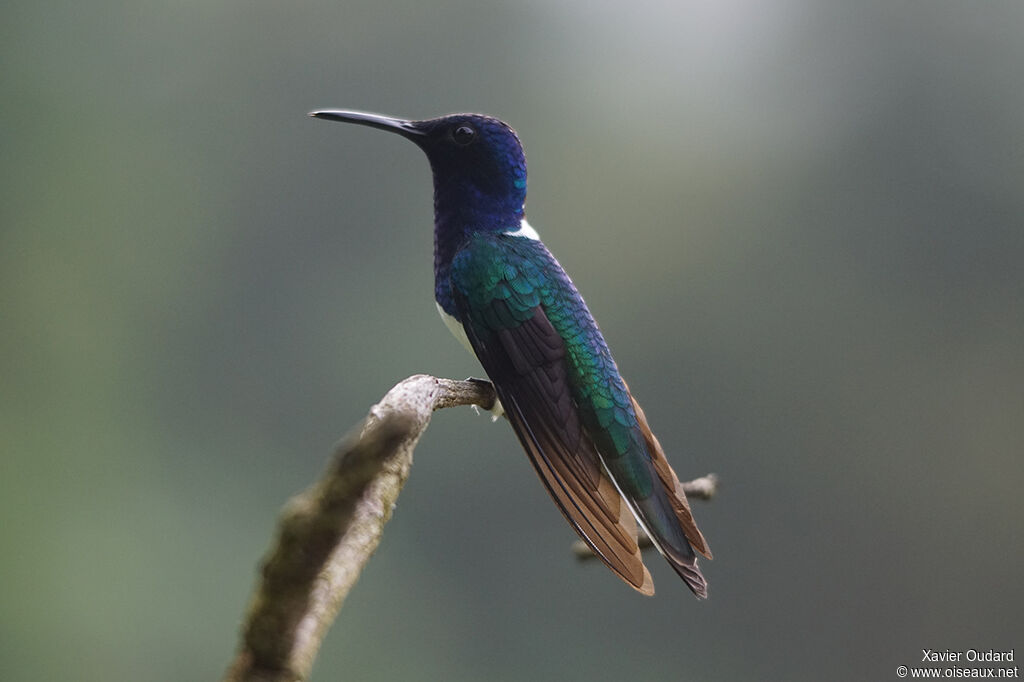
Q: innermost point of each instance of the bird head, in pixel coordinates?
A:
(477, 162)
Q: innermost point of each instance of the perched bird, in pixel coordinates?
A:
(505, 296)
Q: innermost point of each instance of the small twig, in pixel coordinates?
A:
(703, 488)
(328, 533)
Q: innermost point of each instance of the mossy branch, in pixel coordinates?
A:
(327, 533)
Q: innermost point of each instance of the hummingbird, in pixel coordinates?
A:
(502, 293)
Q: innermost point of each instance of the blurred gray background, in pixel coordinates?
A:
(800, 224)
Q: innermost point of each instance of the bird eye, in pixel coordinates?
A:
(463, 135)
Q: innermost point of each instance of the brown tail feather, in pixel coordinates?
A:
(672, 485)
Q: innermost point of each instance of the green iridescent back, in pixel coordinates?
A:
(522, 274)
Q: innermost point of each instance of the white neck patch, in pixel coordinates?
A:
(525, 231)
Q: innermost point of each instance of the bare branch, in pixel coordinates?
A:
(703, 488)
(327, 533)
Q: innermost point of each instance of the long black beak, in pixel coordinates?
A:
(395, 125)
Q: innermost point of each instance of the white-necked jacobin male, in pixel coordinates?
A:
(503, 294)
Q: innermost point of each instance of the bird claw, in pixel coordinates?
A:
(497, 411)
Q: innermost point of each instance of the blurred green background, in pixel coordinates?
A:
(801, 225)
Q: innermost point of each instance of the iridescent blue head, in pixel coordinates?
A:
(477, 161)
(479, 179)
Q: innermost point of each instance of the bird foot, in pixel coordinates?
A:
(497, 411)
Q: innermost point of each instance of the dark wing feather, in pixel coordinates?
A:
(670, 482)
(526, 360)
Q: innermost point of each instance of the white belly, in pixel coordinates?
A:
(457, 330)
(455, 327)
